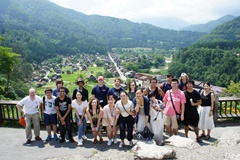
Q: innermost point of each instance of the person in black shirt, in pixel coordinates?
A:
(153, 88)
(191, 116)
(84, 91)
(116, 89)
(63, 107)
(206, 111)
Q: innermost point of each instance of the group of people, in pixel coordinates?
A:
(114, 108)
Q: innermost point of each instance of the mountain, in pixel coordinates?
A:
(39, 29)
(164, 22)
(227, 32)
(208, 27)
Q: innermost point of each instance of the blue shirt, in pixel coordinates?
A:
(56, 93)
(115, 92)
(166, 87)
(101, 94)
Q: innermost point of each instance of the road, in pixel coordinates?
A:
(118, 70)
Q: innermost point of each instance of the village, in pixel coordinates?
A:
(48, 72)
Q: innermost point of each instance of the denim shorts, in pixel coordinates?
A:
(50, 119)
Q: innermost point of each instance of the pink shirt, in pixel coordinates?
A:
(178, 99)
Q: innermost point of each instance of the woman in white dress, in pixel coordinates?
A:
(110, 120)
(141, 104)
(206, 111)
(156, 120)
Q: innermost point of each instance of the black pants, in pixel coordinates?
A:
(65, 127)
(129, 120)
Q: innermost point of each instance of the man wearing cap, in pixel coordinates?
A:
(84, 91)
(100, 91)
(167, 85)
(30, 112)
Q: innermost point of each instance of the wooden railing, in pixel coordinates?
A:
(225, 107)
(228, 107)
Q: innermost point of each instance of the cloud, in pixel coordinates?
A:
(194, 11)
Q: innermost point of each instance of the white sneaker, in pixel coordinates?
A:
(109, 142)
(130, 143)
(121, 144)
(84, 137)
(115, 141)
(80, 142)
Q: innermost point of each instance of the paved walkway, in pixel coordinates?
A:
(12, 144)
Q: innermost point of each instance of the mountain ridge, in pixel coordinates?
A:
(209, 26)
(40, 28)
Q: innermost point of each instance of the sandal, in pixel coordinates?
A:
(202, 136)
(199, 140)
(101, 141)
(95, 141)
(207, 137)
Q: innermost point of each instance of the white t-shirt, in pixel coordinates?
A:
(79, 107)
(50, 107)
(30, 107)
(110, 114)
(127, 106)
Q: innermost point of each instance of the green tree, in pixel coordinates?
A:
(7, 61)
(233, 89)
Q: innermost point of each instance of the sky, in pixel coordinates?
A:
(192, 11)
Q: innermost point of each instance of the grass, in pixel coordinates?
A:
(96, 69)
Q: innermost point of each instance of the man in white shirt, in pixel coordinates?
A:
(30, 112)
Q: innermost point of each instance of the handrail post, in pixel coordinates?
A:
(1, 114)
(215, 113)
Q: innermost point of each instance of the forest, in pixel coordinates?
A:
(39, 29)
(216, 65)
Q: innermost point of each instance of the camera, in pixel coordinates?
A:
(132, 110)
(162, 106)
(154, 104)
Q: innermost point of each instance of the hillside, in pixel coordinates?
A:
(208, 27)
(215, 58)
(39, 28)
(229, 31)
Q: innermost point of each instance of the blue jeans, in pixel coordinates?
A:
(82, 127)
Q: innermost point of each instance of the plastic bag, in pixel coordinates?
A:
(22, 122)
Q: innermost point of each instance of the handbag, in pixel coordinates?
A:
(146, 134)
(178, 116)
